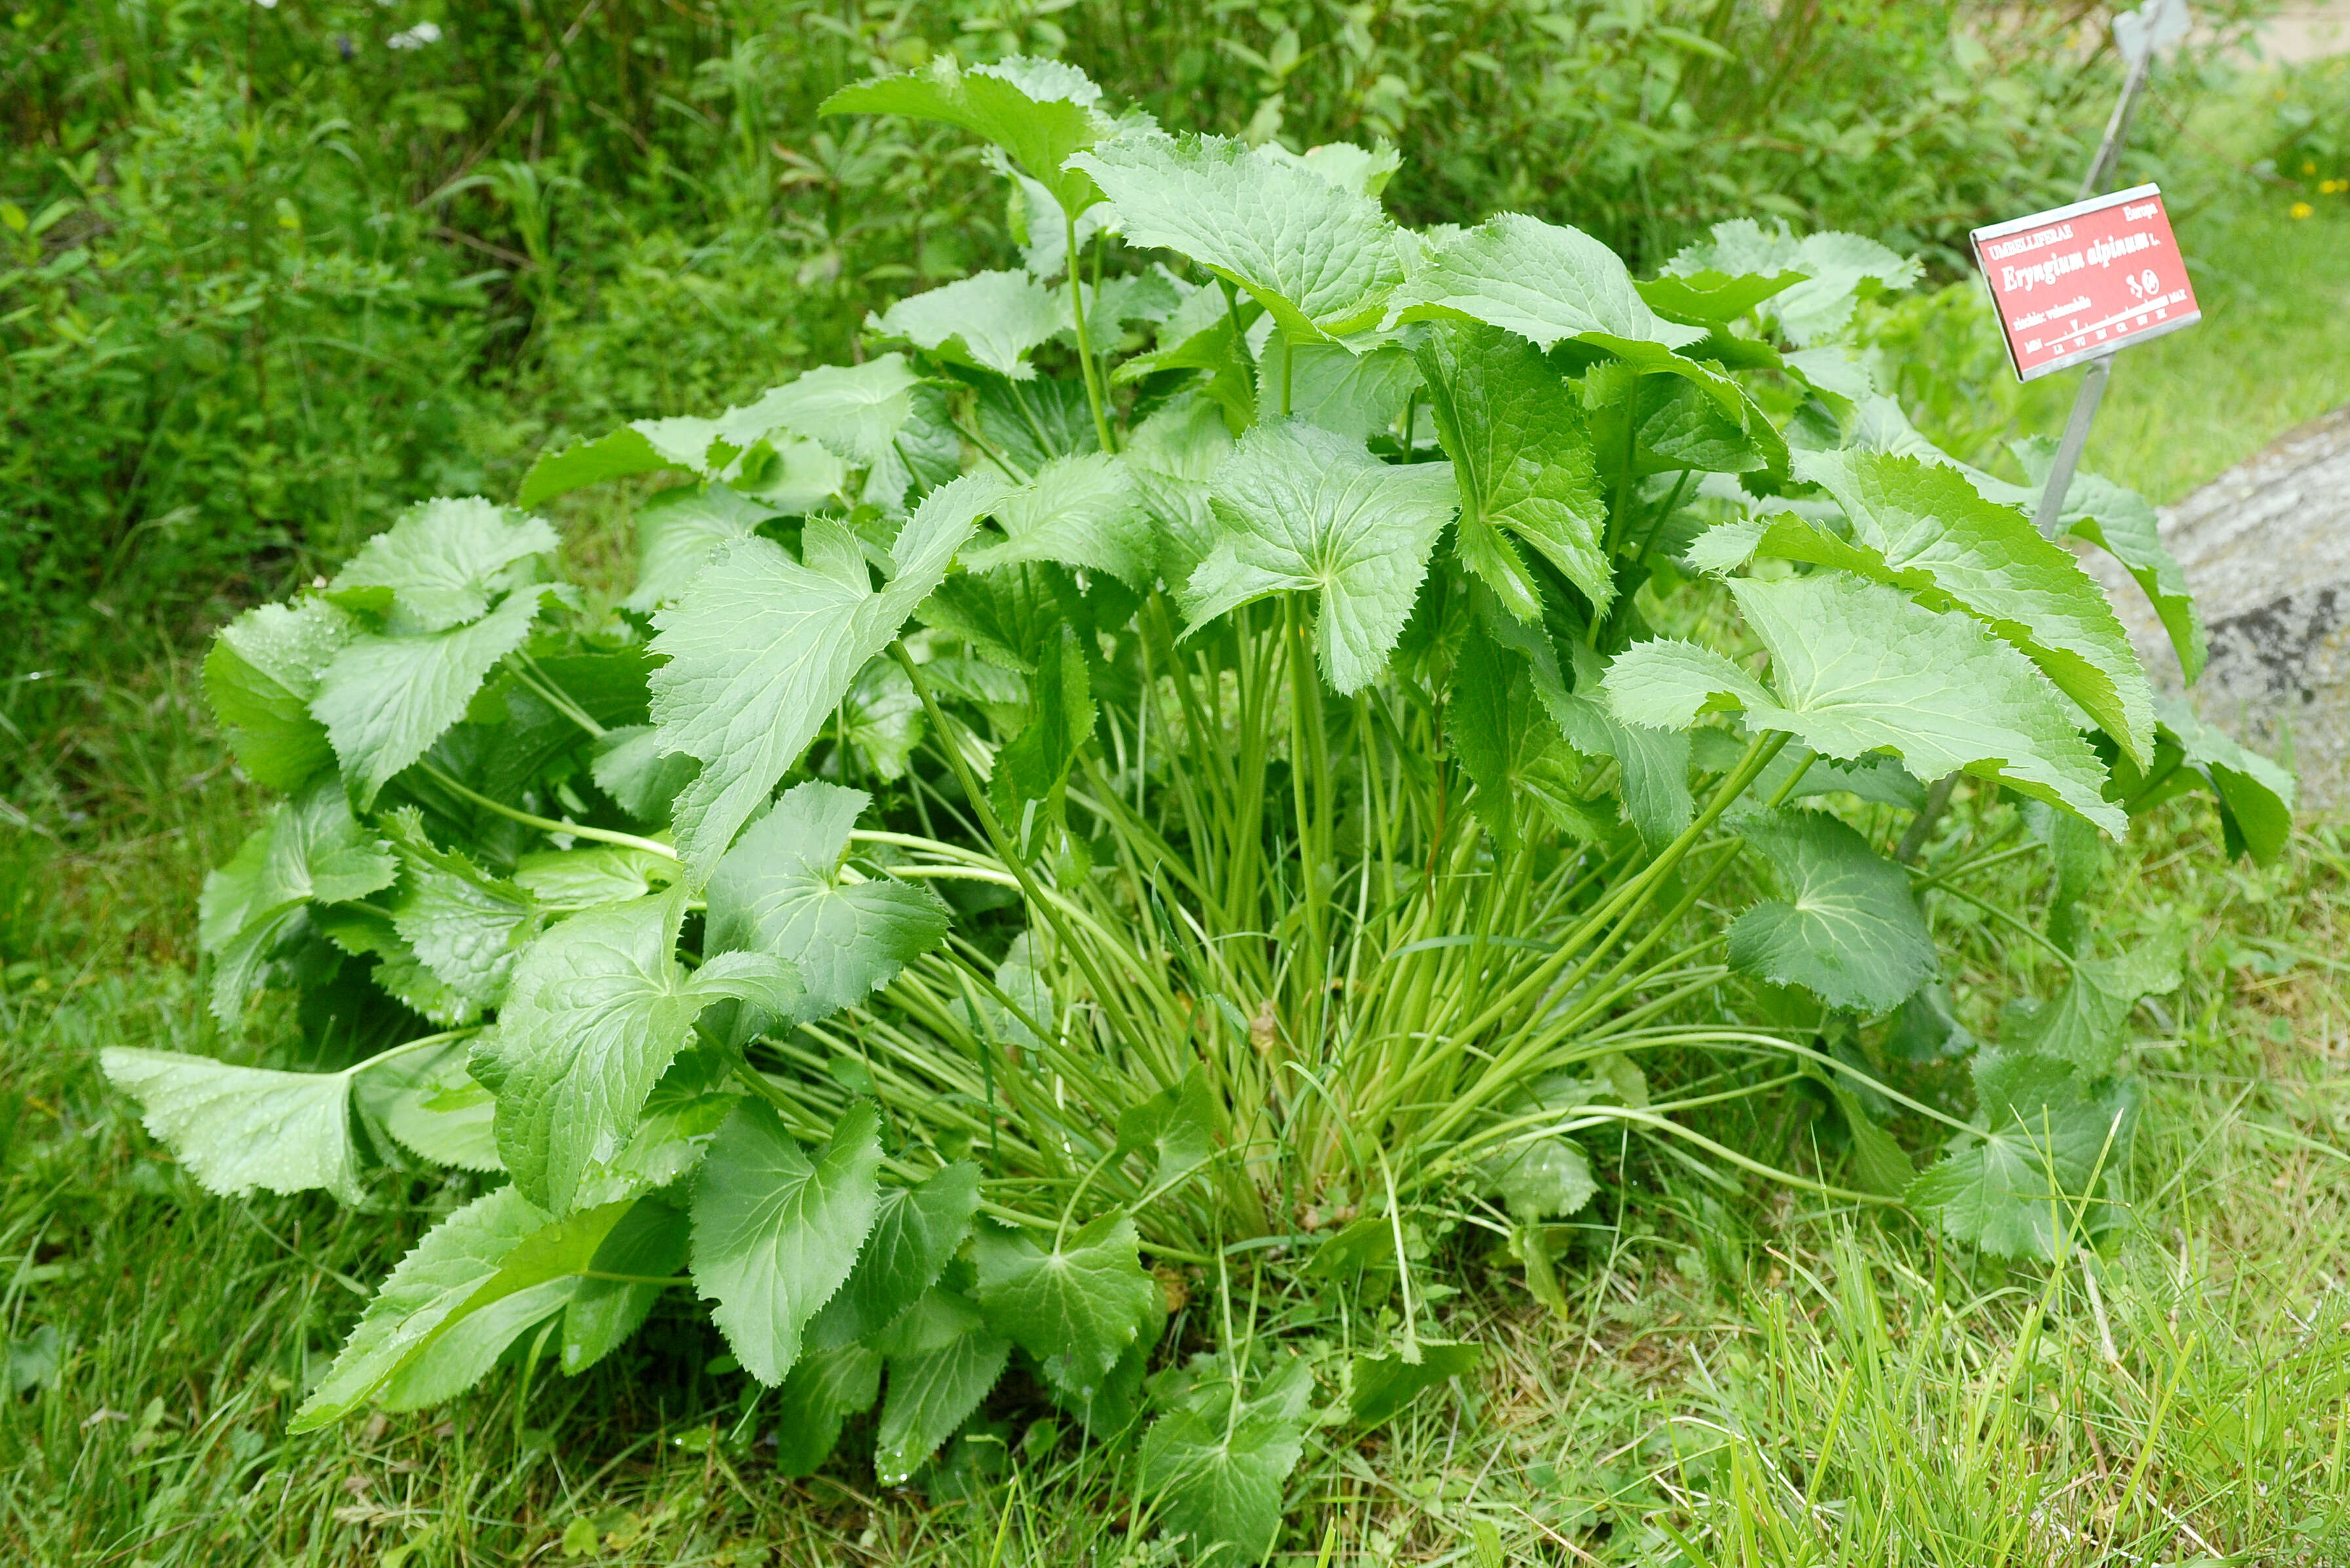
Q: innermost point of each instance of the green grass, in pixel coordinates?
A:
(1742, 1378)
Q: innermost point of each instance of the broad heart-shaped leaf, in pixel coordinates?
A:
(1545, 282)
(1923, 528)
(1074, 1307)
(1220, 1461)
(1839, 269)
(236, 1128)
(762, 648)
(385, 699)
(775, 1233)
(641, 779)
(2084, 1024)
(1521, 449)
(1320, 259)
(2043, 1158)
(1544, 1179)
(1177, 1126)
(1354, 390)
(678, 529)
(441, 565)
(647, 1241)
(825, 1389)
(2122, 524)
(1654, 764)
(1082, 511)
(1383, 1385)
(439, 1275)
(629, 450)
(261, 671)
(781, 891)
(2256, 795)
(536, 1280)
(1859, 669)
(1038, 111)
(1304, 510)
(991, 320)
(465, 925)
(1668, 425)
(1497, 726)
(915, 1230)
(1711, 295)
(855, 411)
(311, 849)
(942, 1360)
(432, 1105)
(1847, 929)
(598, 1007)
(1034, 764)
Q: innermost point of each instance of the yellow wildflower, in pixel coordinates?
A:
(2301, 209)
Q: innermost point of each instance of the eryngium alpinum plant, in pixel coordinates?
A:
(1254, 727)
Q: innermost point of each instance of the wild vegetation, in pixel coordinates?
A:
(1297, 767)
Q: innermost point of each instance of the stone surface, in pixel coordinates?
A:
(2266, 550)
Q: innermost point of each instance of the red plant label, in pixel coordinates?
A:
(2085, 280)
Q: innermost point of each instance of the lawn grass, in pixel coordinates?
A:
(1741, 1377)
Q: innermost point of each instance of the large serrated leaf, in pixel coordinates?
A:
(1220, 1462)
(990, 320)
(437, 1277)
(648, 1243)
(261, 671)
(597, 1010)
(1521, 450)
(2017, 1188)
(533, 1282)
(1381, 1386)
(385, 699)
(2256, 794)
(1075, 1305)
(1847, 929)
(1177, 1126)
(942, 1360)
(762, 648)
(1859, 668)
(467, 928)
(441, 565)
(775, 1233)
(2123, 524)
(825, 1389)
(1306, 510)
(312, 848)
(678, 529)
(1921, 527)
(1082, 511)
(916, 1230)
(1512, 748)
(855, 411)
(781, 891)
(1545, 282)
(1038, 111)
(1321, 259)
(1838, 271)
(2084, 1024)
(236, 1128)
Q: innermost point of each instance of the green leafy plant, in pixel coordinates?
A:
(1269, 744)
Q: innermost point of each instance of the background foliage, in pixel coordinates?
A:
(270, 273)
